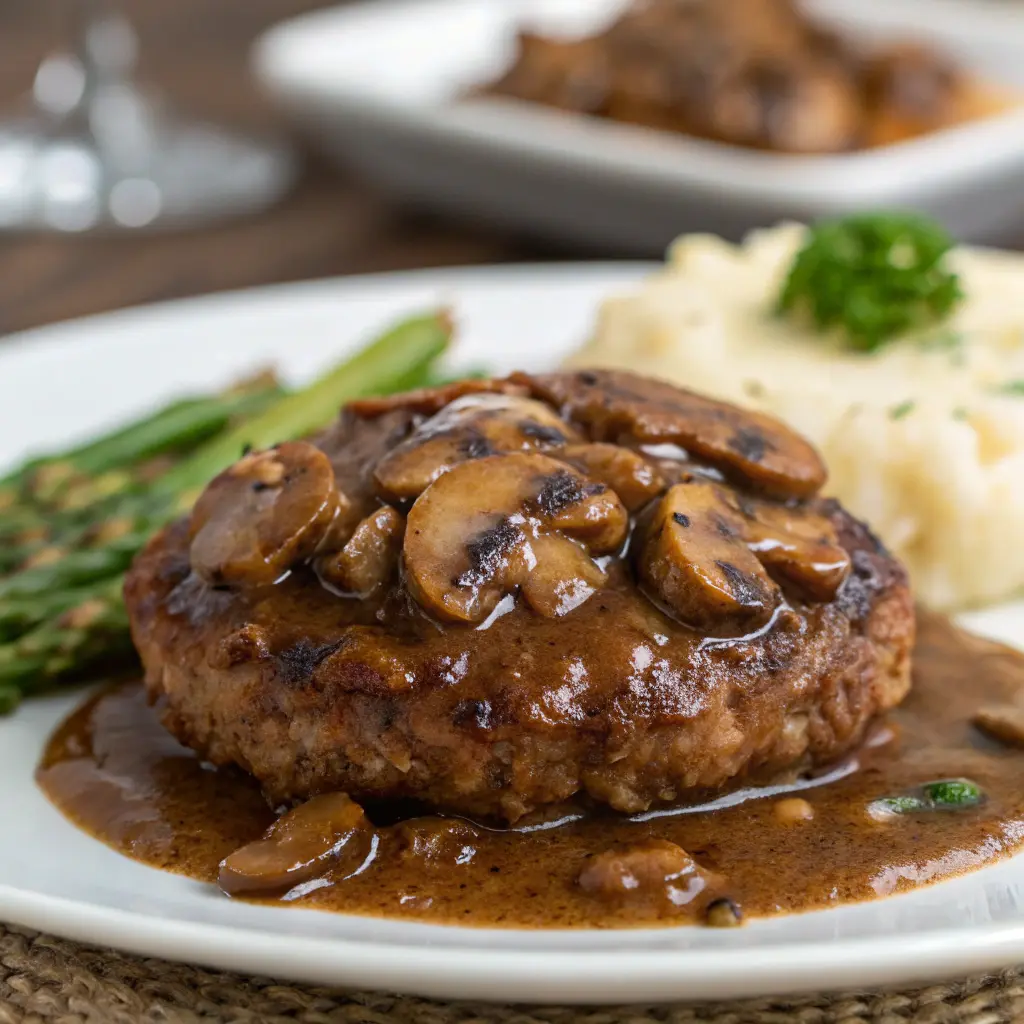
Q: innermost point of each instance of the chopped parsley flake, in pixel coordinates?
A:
(872, 276)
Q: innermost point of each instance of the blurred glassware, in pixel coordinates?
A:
(97, 153)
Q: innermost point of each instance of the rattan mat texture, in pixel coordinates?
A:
(43, 979)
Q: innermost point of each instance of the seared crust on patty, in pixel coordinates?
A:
(613, 698)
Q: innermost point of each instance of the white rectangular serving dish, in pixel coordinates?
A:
(378, 85)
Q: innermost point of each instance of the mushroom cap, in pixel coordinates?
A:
(797, 547)
(721, 562)
(368, 558)
(750, 447)
(628, 473)
(473, 426)
(693, 560)
(428, 401)
(262, 515)
(297, 847)
(492, 525)
(793, 105)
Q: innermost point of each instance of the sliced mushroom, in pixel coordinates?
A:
(496, 524)
(655, 873)
(301, 845)
(370, 556)
(471, 427)
(798, 546)
(723, 913)
(626, 472)
(694, 559)
(437, 843)
(428, 401)
(262, 515)
(563, 576)
(752, 447)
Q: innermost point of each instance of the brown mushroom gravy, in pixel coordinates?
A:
(499, 595)
(755, 73)
(849, 833)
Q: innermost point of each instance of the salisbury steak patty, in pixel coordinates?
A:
(494, 597)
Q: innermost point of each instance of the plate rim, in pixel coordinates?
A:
(533, 978)
(53, 333)
(461, 971)
(939, 159)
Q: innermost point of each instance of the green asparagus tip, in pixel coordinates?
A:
(396, 359)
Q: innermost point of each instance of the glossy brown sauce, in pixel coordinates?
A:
(113, 770)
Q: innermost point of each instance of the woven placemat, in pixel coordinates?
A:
(43, 979)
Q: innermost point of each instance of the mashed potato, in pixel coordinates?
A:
(924, 439)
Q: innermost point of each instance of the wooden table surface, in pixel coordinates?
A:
(195, 52)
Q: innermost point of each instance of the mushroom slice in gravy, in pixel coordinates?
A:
(300, 845)
(262, 515)
(693, 557)
(804, 106)
(428, 401)
(797, 546)
(631, 476)
(471, 427)
(757, 449)
(369, 557)
(490, 526)
(655, 872)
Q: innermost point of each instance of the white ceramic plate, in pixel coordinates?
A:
(65, 380)
(374, 85)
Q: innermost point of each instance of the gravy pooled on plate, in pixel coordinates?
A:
(519, 652)
(853, 833)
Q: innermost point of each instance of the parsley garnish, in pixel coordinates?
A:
(897, 412)
(941, 795)
(953, 793)
(1012, 387)
(874, 276)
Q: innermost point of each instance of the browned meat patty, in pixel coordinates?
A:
(511, 595)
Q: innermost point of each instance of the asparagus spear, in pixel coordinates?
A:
(399, 359)
(75, 569)
(19, 615)
(94, 630)
(52, 470)
(104, 467)
(16, 520)
(395, 361)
